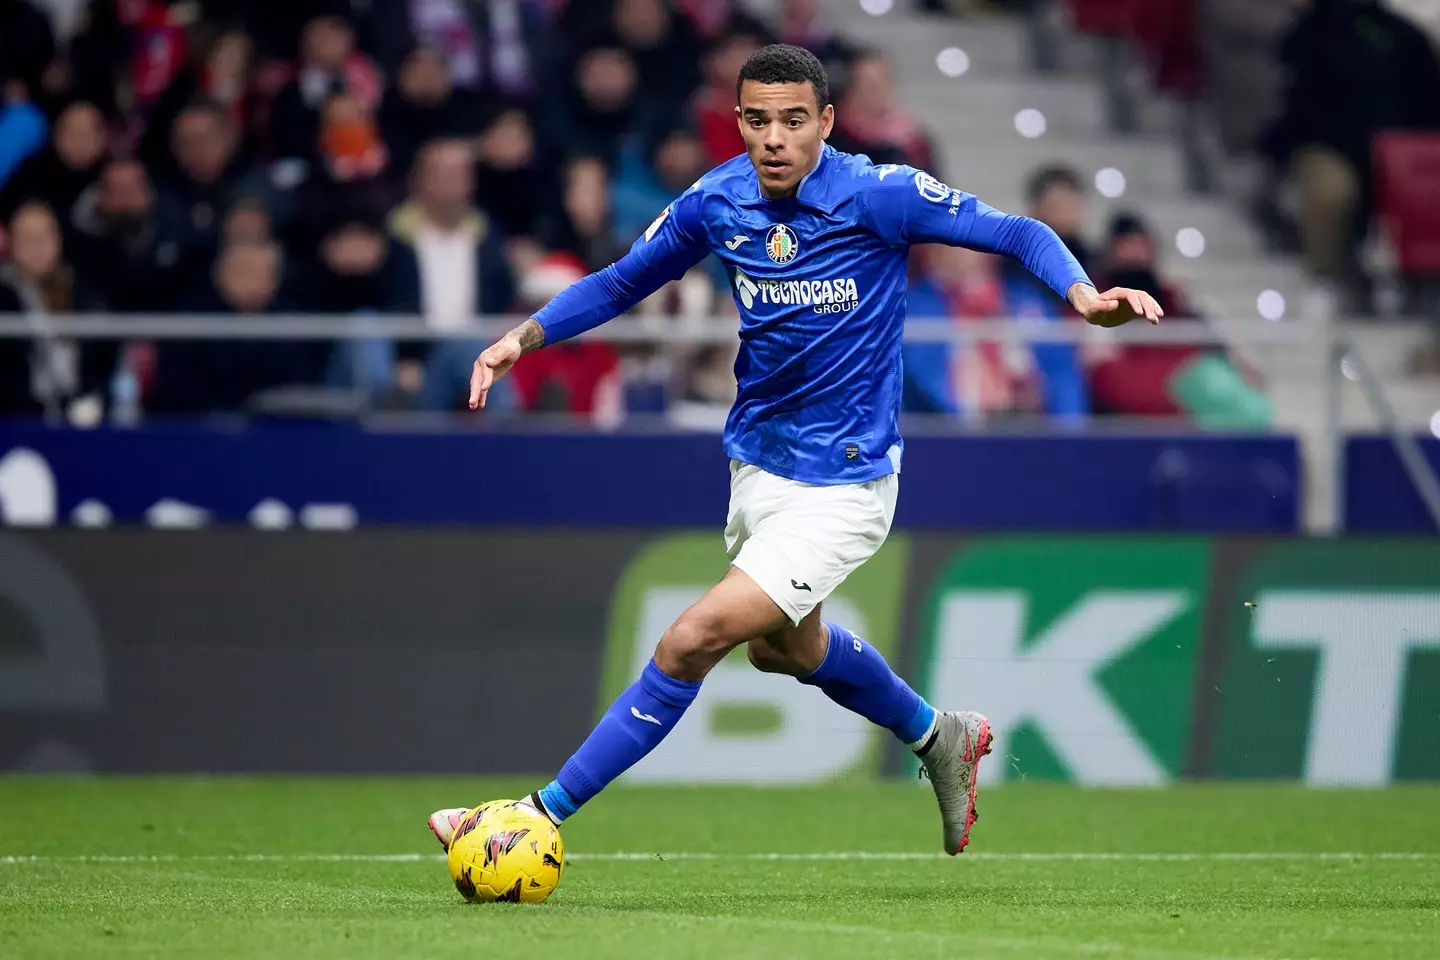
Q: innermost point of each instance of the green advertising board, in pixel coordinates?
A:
(1082, 652)
(1331, 667)
(1102, 660)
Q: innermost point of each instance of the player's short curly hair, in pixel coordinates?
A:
(782, 63)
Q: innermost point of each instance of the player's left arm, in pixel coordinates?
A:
(916, 208)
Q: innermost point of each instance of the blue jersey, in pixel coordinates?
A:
(819, 280)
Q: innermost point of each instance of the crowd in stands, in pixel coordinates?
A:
(448, 159)
(1311, 88)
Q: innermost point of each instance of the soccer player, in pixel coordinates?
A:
(815, 243)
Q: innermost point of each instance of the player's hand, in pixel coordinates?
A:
(492, 364)
(1114, 307)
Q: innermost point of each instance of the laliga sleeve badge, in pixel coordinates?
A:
(650, 230)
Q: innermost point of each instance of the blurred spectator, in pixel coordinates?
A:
(27, 44)
(710, 20)
(278, 28)
(136, 45)
(1057, 198)
(494, 47)
(423, 105)
(462, 270)
(868, 121)
(577, 377)
(133, 245)
(646, 185)
(213, 375)
(22, 129)
(602, 108)
(1243, 77)
(71, 162)
(510, 184)
(1203, 384)
(1355, 69)
(802, 24)
(209, 170)
(662, 47)
(223, 77)
(248, 221)
(50, 373)
(354, 177)
(584, 226)
(329, 65)
(713, 107)
(978, 380)
(362, 269)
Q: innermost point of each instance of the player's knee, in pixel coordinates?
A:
(692, 645)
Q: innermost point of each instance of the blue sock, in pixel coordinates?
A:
(631, 728)
(854, 675)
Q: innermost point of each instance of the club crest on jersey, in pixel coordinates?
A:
(780, 244)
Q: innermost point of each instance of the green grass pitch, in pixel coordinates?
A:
(292, 867)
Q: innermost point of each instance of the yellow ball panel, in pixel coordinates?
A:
(504, 851)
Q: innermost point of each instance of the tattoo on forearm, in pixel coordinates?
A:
(1076, 288)
(531, 335)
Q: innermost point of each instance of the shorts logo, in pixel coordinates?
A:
(780, 244)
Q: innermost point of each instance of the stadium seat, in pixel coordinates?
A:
(1104, 17)
(1164, 32)
(1407, 198)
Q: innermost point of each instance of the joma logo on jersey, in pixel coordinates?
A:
(821, 296)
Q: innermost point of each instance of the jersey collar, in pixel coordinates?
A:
(806, 192)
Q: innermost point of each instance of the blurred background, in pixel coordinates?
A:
(248, 253)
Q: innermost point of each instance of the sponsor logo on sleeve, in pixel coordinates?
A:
(931, 189)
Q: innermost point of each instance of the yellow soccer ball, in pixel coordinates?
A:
(506, 852)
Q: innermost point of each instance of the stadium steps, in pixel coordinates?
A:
(990, 157)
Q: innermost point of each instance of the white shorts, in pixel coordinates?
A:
(799, 541)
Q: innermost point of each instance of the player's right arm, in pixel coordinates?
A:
(914, 207)
(671, 245)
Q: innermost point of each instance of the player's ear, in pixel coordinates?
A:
(827, 121)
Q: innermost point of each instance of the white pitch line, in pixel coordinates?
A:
(1063, 857)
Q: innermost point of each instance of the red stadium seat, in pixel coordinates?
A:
(1108, 17)
(1407, 198)
(1165, 32)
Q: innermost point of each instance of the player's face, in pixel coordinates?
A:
(784, 128)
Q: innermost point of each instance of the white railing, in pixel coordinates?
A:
(1328, 343)
(682, 332)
